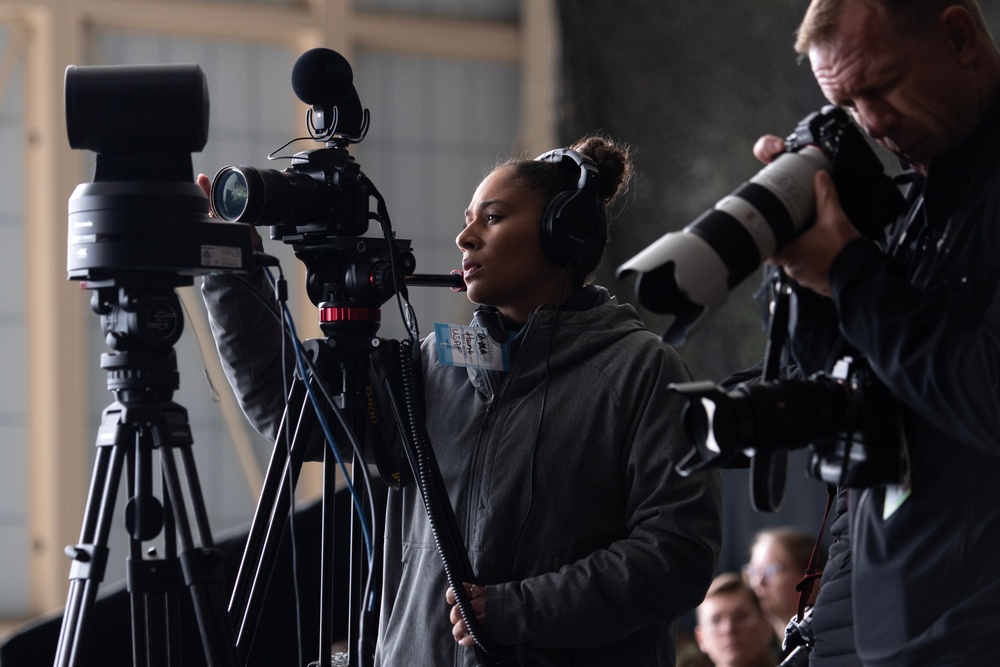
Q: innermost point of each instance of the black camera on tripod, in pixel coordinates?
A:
(320, 193)
(323, 193)
(847, 418)
(137, 232)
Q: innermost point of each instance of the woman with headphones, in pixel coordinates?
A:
(557, 453)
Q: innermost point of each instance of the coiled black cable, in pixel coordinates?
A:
(444, 526)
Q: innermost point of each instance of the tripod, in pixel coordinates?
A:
(142, 319)
(343, 358)
(339, 283)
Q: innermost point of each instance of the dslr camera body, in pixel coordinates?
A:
(848, 419)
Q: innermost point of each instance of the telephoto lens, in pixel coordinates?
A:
(691, 272)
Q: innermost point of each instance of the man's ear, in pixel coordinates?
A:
(962, 33)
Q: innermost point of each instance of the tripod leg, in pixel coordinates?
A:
(201, 567)
(153, 581)
(144, 520)
(90, 555)
(265, 506)
(326, 555)
(209, 565)
(267, 529)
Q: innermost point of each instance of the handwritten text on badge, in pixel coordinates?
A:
(472, 347)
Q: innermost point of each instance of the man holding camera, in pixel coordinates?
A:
(922, 77)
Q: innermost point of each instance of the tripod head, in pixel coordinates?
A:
(349, 278)
(142, 319)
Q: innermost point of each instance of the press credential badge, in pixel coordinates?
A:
(472, 347)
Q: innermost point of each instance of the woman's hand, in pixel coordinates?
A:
(205, 183)
(477, 596)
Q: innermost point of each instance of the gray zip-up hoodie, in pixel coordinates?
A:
(561, 475)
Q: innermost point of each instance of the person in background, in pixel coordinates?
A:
(586, 545)
(731, 627)
(779, 558)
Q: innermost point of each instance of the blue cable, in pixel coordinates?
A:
(300, 365)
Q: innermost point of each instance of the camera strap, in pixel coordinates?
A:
(811, 575)
(769, 469)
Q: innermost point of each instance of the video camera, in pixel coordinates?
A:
(320, 204)
(143, 215)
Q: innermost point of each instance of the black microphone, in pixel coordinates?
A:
(324, 79)
(321, 76)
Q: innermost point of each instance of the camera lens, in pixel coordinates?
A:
(686, 272)
(268, 196)
(230, 193)
(767, 416)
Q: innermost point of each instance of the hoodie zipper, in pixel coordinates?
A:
(485, 428)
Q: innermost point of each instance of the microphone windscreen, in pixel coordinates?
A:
(322, 76)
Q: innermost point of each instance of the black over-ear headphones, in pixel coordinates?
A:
(572, 224)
